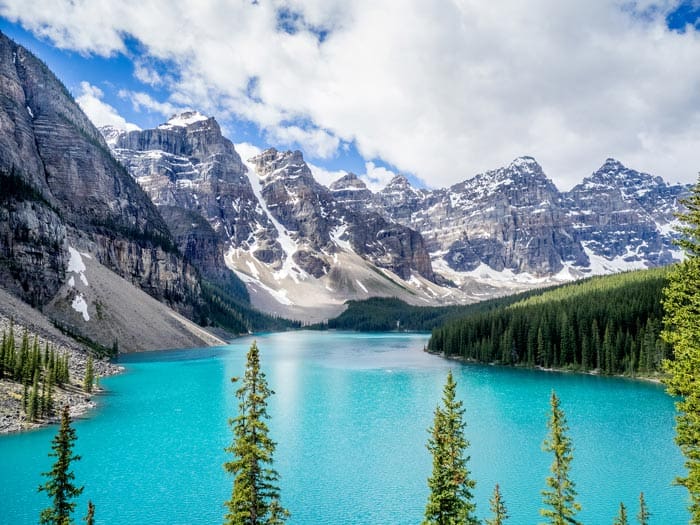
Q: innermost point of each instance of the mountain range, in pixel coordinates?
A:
(303, 249)
(175, 215)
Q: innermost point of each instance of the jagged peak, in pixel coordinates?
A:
(272, 162)
(398, 182)
(612, 165)
(279, 157)
(525, 164)
(348, 181)
(615, 175)
(184, 119)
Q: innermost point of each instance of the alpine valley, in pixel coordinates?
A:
(114, 235)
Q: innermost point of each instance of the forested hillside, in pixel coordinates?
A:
(607, 323)
(383, 314)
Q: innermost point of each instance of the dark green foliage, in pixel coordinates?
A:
(382, 314)
(89, 518)
(219, 307)
(450, 501)
(96, 348)
(146, 236)
(621, 518)
(255, 499)
(34, 398)
(498, 508)
(60, 486)
(37, 371)
(89, 379)
(610, 323)
(560, 495)
(643, 515)
(14, 187)
(682, 332)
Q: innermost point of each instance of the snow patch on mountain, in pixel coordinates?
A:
(80, 306)
(288, 244)
(76, 266)
(183, 120)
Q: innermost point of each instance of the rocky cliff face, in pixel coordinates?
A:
(274, 210)
(65, 188)
(515, 220)
(621, 214)
(320, 220)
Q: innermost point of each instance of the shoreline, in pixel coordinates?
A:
(13, 420)
(657, 380)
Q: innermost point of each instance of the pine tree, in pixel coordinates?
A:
(498, 508)
(89, 379)
(61, 480)
(682, 331)
(560, 496)
(48, 403)
(644, 514)
(2, 354)
(451, 499)
(89, 518)
(255, 499)
(33, 409)
(621, 518)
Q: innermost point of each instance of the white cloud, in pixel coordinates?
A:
(247, 151)
(376, 177)
(442, 89)
(143, 101)
(324, 176)
(316, 142)
(98, 111)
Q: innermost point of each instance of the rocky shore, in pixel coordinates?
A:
(22, 316)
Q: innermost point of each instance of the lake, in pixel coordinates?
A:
(350, 416)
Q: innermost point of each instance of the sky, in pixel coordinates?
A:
(436, 90)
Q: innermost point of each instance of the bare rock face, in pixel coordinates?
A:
(311, 213)
(510, 218)
(66, 188)
(188, 164)
(349, 191)
(515, 219)
(621, 213)
(294, 198)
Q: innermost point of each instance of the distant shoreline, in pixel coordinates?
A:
(658, 379)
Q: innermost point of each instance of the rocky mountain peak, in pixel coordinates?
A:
(185, 119)
(398, 184)
(525, 164)
(615, 176)
(280, 163)
(349, 181)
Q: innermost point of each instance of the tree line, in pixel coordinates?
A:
(39, 370)
(611, 324)
(384, 314)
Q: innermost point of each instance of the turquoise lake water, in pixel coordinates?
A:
(349, 415)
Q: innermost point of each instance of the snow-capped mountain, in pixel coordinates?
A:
(513, 224)
(303, 248)
(506, 219)
(285, 234)
(624, 218)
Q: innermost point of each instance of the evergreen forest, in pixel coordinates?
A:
(611, 324)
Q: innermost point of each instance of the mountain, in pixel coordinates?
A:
(513, 225)
(303, 248)
(67, 205)
(297, 244)
(624, 218)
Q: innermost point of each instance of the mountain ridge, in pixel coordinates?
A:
(503, 230)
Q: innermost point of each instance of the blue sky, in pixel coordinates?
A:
(438, 93)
